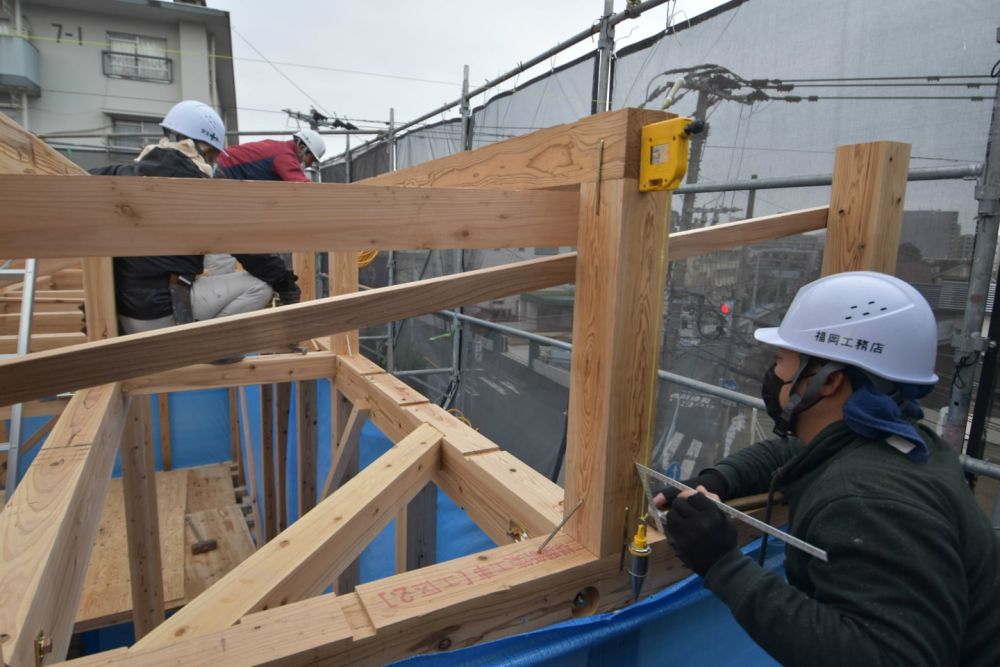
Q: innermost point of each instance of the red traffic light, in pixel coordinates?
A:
(724, 308)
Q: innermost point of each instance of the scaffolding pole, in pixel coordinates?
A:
(970, 344)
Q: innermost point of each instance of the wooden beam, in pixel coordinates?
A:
(43, 408)
(141, 522)
(44, 322)
(305, 557)
(283, 406)
(99, 295)
(42, 342)
(866, 207)
(269, 506)
(704, 241)
(48, 527)
(347, 447)
(59, 216)
(492, 486)
(166, 449)
(235, 451)
(304, 266)
(617, 318)
(252, 370)
(21, 152)
(124, 357)
(416, 532)
(251, 469)
(562, 155)
(307, 439)
(344, 280)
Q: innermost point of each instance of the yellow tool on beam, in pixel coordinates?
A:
(665, 153)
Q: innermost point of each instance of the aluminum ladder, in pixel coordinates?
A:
(13, 445)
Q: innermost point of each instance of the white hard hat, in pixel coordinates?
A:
(196, 120)
(870, 320)
(313, 142)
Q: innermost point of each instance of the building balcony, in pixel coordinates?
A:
(19, 65)
(118, 65)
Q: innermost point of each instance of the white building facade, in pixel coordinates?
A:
(89, 76)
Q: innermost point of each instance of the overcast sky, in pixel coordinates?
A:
(357, 60)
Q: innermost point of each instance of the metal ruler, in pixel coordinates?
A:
(660, 517)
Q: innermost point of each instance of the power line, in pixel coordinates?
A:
(278, 70)
(225, 56)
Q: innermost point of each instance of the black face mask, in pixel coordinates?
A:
(770, 388)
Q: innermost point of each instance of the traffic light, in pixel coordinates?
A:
(726, 310)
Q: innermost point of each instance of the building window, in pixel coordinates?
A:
(133, 133)
(137, 57)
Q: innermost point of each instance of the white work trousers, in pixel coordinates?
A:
(211, 297)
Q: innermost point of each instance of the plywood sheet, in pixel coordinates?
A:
(227, 526)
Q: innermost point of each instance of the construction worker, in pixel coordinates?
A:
(270, 160)
(155, 292)
(913, 576)
(267, 160)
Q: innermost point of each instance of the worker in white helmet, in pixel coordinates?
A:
(267, 160)
(155, 292)
(913, 576)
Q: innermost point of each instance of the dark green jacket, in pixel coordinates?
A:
(913, 576)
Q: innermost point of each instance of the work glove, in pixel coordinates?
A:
(699, 532)
(287, 290)
(291, 295)
(713, 481)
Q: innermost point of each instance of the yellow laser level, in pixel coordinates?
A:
(665, 153)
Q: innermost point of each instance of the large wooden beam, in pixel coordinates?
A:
(307, 556)
(141, 521)
(617, 317)
(59, 216)
(866, 207)
(21, 152)
(492, 486)
(44, 373)
(252, 370)
(562, 155)
(704, 241)
(48, 527)
(306, 441)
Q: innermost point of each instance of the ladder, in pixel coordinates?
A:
(13, 445)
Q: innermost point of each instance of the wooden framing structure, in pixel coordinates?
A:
(574, 184)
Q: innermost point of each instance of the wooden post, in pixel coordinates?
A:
(306, 439)
(99, 298)
(304, 265)
(620, 278)
(283, 402)
(251, 468)
(235, 451)
(166, 453)
(416, 531)
(141, 521)
(866, 207)
(344, 280)
(267, 461)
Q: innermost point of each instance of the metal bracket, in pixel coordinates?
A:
(43, 646)
(516, 532)
(972, 343)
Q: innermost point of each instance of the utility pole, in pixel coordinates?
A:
(390, 267)
(970, 344)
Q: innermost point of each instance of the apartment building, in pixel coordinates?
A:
(89, 76)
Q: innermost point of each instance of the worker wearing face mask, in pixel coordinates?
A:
(913, 576)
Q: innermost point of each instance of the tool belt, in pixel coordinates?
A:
(180, 298)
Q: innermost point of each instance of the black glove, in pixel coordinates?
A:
(699, 532)
(287, 289)
(711, 479)
(291, 295)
